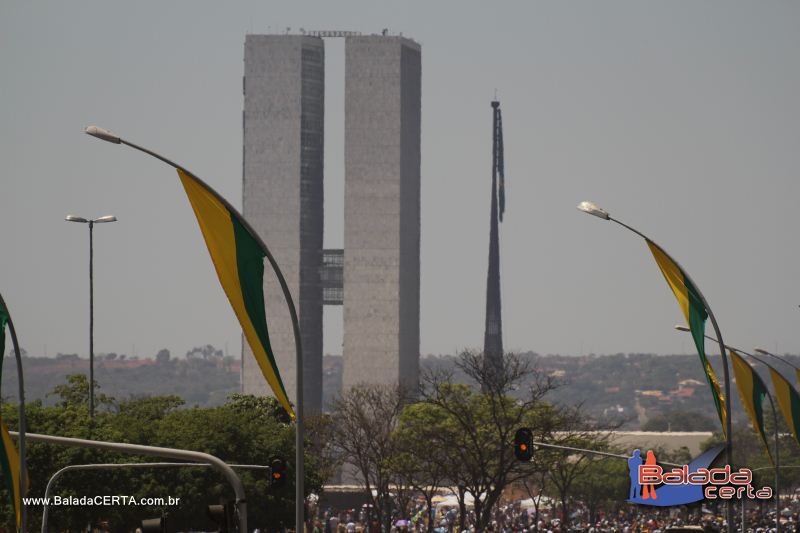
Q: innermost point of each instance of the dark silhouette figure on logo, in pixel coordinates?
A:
(634, 463)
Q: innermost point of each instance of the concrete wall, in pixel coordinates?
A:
(382, 210)
(282, 195)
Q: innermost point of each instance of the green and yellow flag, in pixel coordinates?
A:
(9, 463)
(695, 312)
(788, 400)
(752, 392)
(9, 458)
(239, 260)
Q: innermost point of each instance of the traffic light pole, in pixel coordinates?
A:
(169, 453)
(579, 450)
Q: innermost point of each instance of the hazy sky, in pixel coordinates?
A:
(681, 118)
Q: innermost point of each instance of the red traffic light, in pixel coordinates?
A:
(523, 444)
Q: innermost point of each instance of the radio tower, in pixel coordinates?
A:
(493, 336)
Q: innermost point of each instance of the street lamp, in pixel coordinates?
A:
(785, 361)
(111, 137)
(592, 209)
(680, 327)
(91, 223)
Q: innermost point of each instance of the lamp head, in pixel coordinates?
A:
(680, 327)
(73, 218)
(592, 209)
(100, 133)
(107, 218)
(761, 351)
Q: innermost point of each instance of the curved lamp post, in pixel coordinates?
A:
(91, 223)
(774, 420)
(592, 209)
(111, 137)
(22, 420)
(785, 361)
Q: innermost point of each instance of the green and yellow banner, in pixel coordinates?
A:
(239, 260)
(788, 400)
(695, 312)
(752, 392)
(9, 463)
(9, 458)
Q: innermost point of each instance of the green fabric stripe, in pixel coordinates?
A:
(8, 477)
(759, 392)
(795, 401)
(697, 325)
(3, 322)
(250, 264)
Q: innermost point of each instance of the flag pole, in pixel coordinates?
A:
(106, 135)
(594, 210)
(23, 470)
(722, 351)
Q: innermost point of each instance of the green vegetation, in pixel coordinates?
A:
(244, 430)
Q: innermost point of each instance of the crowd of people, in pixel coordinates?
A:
(514, 518)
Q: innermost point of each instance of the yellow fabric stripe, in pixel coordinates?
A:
(13, 463)
(784, 400)
(215, 224)
(674, 278)
(744, 384)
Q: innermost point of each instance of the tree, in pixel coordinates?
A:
(566, 467)
(604, 480)
(162, 356)
(423, 456)
(76, 392)
(480, 420)
(363, 425)
(245, 430)
(680, 421)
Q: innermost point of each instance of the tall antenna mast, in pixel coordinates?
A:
(493, 335)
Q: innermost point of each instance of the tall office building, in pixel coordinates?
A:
(283, 122)
(376, 276)
(381, 210)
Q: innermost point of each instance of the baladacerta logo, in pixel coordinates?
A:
(652, 484)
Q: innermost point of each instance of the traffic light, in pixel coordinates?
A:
(155, 525)
(222, 516)
(277, 472)
(523, 444)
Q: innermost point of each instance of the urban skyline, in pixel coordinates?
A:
(678, 119)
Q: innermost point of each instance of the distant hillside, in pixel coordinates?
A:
(203, 381)
(656, 392)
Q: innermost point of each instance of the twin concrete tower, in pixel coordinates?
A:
(376, 276)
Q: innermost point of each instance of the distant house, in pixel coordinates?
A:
(687, 392)
(689, 383)
(612, 390)
(652, 393)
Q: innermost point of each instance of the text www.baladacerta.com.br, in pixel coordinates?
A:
(88, 501)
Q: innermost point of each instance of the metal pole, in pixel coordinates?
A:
(728, 406)
(170, 453)
(777, 470)
(595, 452)
(103, 466)
(744, 530)
(23, 468)
(777, 452)
(91, 319)
(299, 419)
(777, 449)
